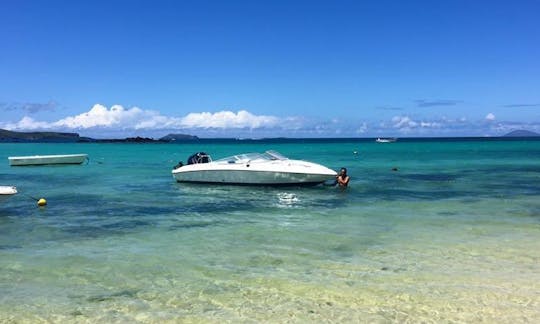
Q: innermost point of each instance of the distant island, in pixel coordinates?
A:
(522, 133)
(10, 136)
(178, 137)
(7, 136)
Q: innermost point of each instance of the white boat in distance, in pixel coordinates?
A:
(6, 192)
(47, 159)
(385, 140)
(269, 168)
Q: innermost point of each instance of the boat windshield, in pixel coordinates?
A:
(276, 155)
(266, 156)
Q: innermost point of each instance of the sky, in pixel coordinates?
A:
(256, 69)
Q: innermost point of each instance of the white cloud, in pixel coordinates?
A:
(118, 117)
(409, 126)
(490, 117)
(100, 116)
(27, 123)
(404, 123)
(120, 121)
(362, 129)
(228, 119)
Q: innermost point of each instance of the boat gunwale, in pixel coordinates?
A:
(250, 170)
(37, 160)
(46, 156)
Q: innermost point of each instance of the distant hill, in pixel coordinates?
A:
(178, 137)
(521, 133)
(10, 136)
(137, 139)
(7, 136)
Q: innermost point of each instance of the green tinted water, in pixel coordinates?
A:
(451, 236)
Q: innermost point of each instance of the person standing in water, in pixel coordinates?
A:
(342, 178)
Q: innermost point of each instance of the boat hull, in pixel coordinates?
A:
(238, 177)
(7, 192)
(47, 159)
(279, 172)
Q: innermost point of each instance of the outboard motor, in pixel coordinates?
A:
(199, 157)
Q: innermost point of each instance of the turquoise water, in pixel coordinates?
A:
(452, 236)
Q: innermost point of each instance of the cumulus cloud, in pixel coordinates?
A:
(100, 116)
(506, 127)
(403, 122)
(27, 123)
(119, 117)
(362, 129)
(228, 119)
(119, 121)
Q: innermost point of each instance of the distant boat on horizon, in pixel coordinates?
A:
(386, 140)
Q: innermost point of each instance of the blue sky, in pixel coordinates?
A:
(270, 68)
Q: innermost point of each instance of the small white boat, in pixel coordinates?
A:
(47, 159)
(6, 192)
(385, 140)
(269, 168)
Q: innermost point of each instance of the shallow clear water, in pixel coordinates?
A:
(452, 236)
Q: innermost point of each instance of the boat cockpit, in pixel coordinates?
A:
(254, 157)
(202, 157)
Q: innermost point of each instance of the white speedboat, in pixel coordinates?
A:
(385, 140)
(6, 192)
(269, 168)
(47, 159)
